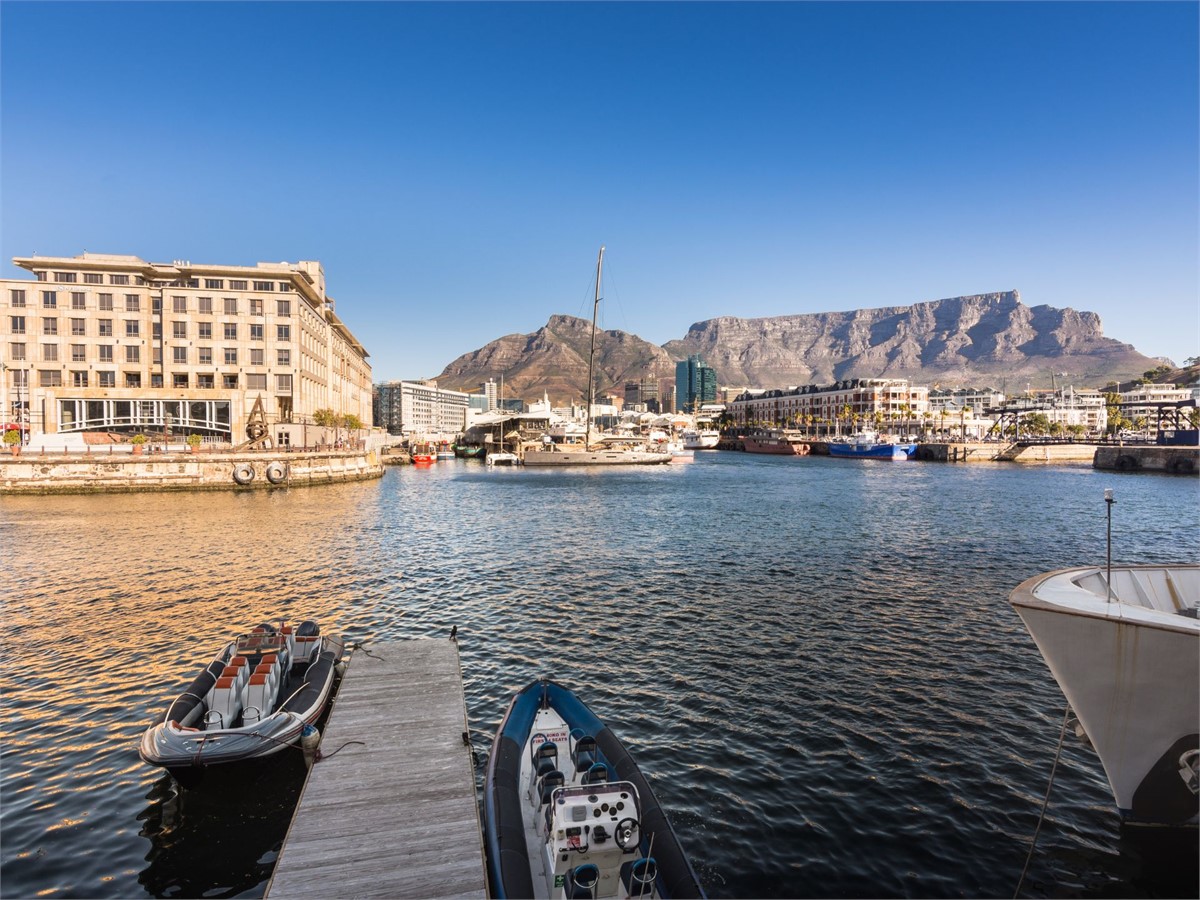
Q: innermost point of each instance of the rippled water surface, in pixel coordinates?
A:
(813, 660)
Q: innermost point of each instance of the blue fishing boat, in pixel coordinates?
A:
(567, 813)
(867, 445)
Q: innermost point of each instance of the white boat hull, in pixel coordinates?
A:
(1131, 673)
(599, 457)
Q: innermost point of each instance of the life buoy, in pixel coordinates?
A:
(1126, 463)
(276, 472)
(1181, 465)
(243, 473)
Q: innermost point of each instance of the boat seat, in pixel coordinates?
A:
(638, 877)
(259, 695)
(597, 774)
(582, 881)
(545, 757)
(304, 646)
(225, 700)
(584, 753)
(548, 783)
(290, 633)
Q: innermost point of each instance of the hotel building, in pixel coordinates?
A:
(864, 402)
(101, 343)
(420, 409)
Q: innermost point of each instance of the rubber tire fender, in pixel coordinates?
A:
(243, 473)
(277, 472)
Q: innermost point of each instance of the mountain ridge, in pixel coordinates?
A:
(977, 340)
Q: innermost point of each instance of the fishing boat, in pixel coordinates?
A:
(1126, 653)
(423, 453)
(568, 814)
(778, 441)
(868, 445)
(556, 455)
(469, 451)
(445, 450)
(257, 697)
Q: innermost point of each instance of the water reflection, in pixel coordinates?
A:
(220, 838)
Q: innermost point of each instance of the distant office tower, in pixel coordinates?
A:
(489, 389)
(695, 384)
(642, 393)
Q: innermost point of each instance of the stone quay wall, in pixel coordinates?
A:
(82, 473)
(1175, 460)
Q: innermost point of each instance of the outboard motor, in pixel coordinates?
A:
(266, 628)
(306, 640)
(308, 628)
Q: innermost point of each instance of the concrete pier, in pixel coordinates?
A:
(395, 815)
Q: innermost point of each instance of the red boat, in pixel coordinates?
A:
(424, 453)
(776, 440)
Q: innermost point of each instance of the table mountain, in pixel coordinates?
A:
(980, 340)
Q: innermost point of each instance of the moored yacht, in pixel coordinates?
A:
(1126, 654)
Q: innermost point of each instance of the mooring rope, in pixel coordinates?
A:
(1045, 803)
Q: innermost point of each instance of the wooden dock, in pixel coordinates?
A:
(395, 816)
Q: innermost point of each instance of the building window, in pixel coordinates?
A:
(18, 324)
(283, 357)
(93, 278)
(133, 379)
(16, 352)
(256, 382)
(256, 332)
(156, 330)
(204, 381)
(156, 357)
(179, 355)
(230, 356)
(214, 284)
(204, 331)
(229, 381)
(133, 303)
(283, 384)
(156, 304)
(179, 329)
(106, 303)
(49, 326)
(264, 285)
(105, 327)
(133, 354)
(256, 356)
(179, 304)
(65, 277)
(132, 328)
(79, 379)
(179, 380)
(155, 379)
(106, 379)
(77, 300)
(78, 353)
(283, 308)
(283, 332)
(205, 304)
(49, 352)
(285, 285)
(50, 299)
(78, 326)
(139, 281)
(49, 378)
(17, 297)
(256, 306)
(231, 306)
(204, 356)
(237, 285)
(231, 331)
(118, 279)
(106, 354)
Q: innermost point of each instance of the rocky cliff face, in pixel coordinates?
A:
(985, 339)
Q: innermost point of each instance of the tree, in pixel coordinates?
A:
(1117, 420)
(1037, 423)
(353, 422)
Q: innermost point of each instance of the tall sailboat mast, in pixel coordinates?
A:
(591, 396)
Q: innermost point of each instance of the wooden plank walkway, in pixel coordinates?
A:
(395, 816)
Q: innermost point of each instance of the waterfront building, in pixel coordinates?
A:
(878, 403)
(1143, 401)
(643, 393)
(952, 401)
(106, 343)
(421, 408)
(695, 384)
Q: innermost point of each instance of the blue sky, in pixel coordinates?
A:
(455, 167)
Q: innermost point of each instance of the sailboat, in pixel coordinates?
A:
(554, 455)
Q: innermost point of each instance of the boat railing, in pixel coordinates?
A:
(586, 790)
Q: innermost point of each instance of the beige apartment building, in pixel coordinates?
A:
(863, 402)
(103, 343)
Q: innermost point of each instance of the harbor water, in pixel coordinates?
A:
(813, 660)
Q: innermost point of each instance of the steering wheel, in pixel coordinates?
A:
(626, 833)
